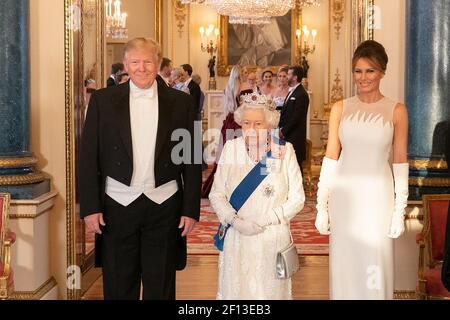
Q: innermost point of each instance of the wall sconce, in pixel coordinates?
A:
(211, 48)
(305, 46)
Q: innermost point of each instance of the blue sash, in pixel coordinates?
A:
(240, 195)
(245, 189)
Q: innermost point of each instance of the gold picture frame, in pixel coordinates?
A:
(224, 64)
(84, 60)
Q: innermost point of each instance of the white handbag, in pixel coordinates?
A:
(287, 261)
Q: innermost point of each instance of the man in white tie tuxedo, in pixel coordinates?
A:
(294, 114)
(140, 202)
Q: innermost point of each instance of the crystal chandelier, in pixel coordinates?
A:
(308, 3)
(194, 1)
(252, 12)
(115, 23)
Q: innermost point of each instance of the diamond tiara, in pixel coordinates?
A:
(254, 99)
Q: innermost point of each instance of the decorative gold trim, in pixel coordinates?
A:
(337, 91)
(17, 162)
(428, 164)
(223, 66)
(70, 72)
(338, 16)
(26, 215)
(21, 180)
(158, 22)
(362, 26)
(405, 295)
(180, 15)
(102, 36)
(429, 182)
(362, 21)
(36, 294)
(4, 217)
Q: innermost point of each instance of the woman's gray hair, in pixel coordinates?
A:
(271, 115)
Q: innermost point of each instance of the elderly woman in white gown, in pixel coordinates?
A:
(247, 264)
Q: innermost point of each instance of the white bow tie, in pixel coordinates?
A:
(141, 93)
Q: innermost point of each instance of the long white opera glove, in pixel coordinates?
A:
(327, 173)
(245, 227)
(269, 219)
(401, 174)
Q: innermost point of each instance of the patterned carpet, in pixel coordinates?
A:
(306, 237)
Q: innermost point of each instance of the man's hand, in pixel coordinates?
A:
(93, 222)
(188, 224)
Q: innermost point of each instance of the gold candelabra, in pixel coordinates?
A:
(304, 48)
(210, 47)
(304, 45)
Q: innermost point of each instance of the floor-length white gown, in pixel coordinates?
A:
(362, 202)
(247, 263)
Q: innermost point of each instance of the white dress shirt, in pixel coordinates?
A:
(291, 90)
(144, 127)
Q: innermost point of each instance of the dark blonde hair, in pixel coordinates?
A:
(283, 69)
(372, 51)
(140, 43)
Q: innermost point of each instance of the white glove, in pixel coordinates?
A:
(247, 228)
(401, 173)
(267, 219)
(228, 216)
(327, 173)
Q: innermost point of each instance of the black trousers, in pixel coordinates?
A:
(139, 245)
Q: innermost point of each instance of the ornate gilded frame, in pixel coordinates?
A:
(224, 68)
(362, 25)
(74, 106)
(4, 218)
(362, 21)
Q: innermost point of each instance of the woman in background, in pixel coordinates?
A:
(267, 88)
(230, 129)
(282, 90)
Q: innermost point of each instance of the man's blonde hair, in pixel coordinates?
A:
(143, 43)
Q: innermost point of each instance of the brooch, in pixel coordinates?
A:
(268, 190)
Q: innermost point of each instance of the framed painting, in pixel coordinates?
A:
(265, 46)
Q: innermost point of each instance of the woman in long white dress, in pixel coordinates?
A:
(247, 264)
(363, 186)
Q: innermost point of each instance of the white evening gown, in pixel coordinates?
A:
(247, 263)
(362, 202)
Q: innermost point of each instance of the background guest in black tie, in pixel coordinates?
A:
(194, 88)
(165, 70)
(294, 113)
(116, 69)
(141, 201)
